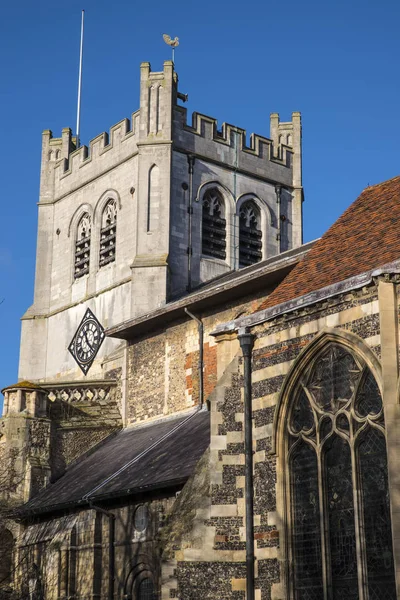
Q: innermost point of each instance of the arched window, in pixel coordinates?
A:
(108, 233)
(82, 246)
(214, 225)
(250, 236)
(340, 540)
(145, 590)
(6, 552)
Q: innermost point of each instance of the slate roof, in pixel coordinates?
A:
(138, 459)
(365, 237)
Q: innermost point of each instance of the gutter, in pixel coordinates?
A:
(78, 504)
(246, 340)
(207, 294)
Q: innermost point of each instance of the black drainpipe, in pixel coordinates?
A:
(246, 340)
(201, 360)
(190, 160)
(111, 548)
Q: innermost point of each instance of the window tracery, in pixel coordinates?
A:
(108, 233)
(250, 236)
(82, 246)
(213, 225)
(338, 484)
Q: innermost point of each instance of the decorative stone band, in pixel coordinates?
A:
(73, 392)
(352, 283)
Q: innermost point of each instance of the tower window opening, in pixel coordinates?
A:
(250, 235)
(214, 226)
(108, 233)
(82, 247)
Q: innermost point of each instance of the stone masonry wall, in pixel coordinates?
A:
(201, 571)
(163, 372)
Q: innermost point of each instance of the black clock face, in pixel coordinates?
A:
(87, 340)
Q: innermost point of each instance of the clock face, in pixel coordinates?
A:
(87, 340)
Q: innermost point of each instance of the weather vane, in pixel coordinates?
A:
(173, 43)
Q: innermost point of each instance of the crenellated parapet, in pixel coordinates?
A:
(65, 166)
(274, 158)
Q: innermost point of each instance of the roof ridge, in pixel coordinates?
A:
(369, 187)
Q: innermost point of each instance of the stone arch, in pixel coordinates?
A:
(102, 201)
(223, 189)
(142, 570)
(328, 335)
(265, 221)
(229, 211)
(265, 210)
(77, 215)
(331, 434)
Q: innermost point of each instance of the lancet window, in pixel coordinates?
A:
(250, 236)
(146, 590)
(214, 225)
(339, 518)
(108, 233)
(82, 246)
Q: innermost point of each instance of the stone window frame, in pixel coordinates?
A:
(229, 212)
(79, 252)
(143, 568)
(72, 234)
(108, 234)
(266, 220)
(299, 369)
(107, 196)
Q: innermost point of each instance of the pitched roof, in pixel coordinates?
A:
(365, 237)
(147, 457)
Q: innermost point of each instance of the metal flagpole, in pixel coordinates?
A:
(78, 112)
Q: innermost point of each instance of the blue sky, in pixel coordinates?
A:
(336, 62)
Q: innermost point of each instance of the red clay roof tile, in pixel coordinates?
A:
(366, 236)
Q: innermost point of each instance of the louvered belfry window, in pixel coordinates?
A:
(214, 225)
(250, 236)
(108, 233)
(82, 247)
(340, 524)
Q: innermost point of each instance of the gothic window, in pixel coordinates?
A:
(108, 233)
(339, 518)
(146, 589)
(6, 552)
(82, 246)
(214, 225)
(250, 235)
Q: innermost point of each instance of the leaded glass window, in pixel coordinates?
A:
(108, 233)
(145, 590)
(340, 526)
(82, 247)
(250, 244)
(213, 225)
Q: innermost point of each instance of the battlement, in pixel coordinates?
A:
(161, 120)
(278, 149)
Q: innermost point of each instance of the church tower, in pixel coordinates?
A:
(145, 214)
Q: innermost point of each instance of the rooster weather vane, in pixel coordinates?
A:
(170, 42)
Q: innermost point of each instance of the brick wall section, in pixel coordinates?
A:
(163, 367)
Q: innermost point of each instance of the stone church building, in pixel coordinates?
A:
(123, 464)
